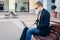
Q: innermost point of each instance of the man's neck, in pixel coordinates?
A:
(41, 10)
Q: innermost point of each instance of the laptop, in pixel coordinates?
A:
(23, 23)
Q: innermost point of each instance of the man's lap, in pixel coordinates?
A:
(34, 31)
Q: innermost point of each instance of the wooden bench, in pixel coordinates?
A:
(54, 32)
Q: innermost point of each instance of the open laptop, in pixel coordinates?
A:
(26, 25)
(23, 23)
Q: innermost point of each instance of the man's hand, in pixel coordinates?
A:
(33, 26)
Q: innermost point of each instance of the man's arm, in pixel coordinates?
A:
(35, 24)
(45, 22)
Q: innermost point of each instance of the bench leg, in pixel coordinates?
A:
(58, 37)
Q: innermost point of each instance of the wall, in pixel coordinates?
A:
(32, 5)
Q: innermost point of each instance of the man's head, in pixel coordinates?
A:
(39, 5)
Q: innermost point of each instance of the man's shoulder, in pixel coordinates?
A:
(45, 10)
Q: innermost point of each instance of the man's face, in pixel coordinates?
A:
(38, 7)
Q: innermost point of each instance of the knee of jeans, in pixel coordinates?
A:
(25, 28)
(30, 31)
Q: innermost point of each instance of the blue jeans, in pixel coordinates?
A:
(27, 33)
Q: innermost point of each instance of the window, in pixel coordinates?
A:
(1, 6)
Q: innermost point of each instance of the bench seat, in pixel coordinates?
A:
(53, 35)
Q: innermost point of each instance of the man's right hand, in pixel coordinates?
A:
(33, 26)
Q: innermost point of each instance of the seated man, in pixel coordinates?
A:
(41, 26)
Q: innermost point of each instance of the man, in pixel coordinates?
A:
(41, 26)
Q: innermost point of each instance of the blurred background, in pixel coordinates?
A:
(11, 27)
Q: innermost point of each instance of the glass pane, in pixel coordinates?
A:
(22, 5)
